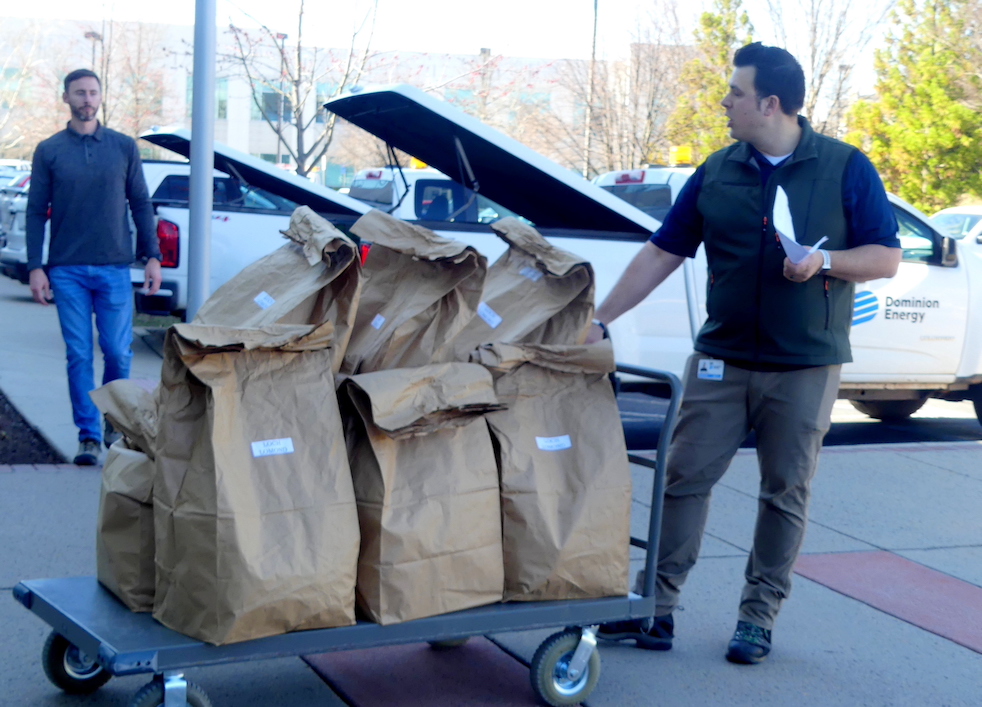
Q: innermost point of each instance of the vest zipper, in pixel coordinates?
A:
(828, 305)
(760, 287)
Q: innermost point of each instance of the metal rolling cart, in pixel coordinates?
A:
(95, 637)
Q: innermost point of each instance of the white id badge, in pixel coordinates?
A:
(710, 369)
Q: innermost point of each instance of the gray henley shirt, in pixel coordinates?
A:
(87, 181)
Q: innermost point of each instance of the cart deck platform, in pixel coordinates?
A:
(94, 636)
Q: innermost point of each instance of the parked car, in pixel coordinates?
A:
(246, 219)
(963, 223)
(914, 336)
(13, 244)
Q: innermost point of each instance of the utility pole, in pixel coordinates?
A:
(588, 128)
(279, 117)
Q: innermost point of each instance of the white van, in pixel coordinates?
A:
(651, 189)
(914, 336)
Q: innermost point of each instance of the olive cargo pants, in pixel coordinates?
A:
(790, 413)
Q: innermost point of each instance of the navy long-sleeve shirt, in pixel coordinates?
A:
(87, 181)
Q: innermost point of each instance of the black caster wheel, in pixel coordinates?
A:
(69, 668)
(551, 681)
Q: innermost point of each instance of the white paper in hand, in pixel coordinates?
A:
(785, 230)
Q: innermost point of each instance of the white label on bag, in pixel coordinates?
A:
(269, 447)
(378, 321)
(264, 300)
(554, 444)
(533, 274)
(490, 316)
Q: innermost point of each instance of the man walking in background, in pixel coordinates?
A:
(768, 357)
(85, 175)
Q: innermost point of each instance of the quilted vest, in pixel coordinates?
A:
(755, 314)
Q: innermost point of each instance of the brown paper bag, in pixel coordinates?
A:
(420, 290)
(565, 478)
(124, 546)
(132, 411)
(313, 279)
(255, 517)
(535, 293)
(124, 530)
(427, 489)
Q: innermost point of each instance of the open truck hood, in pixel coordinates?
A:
(504, 170)
(264, 175)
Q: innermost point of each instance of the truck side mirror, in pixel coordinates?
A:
(949, 252)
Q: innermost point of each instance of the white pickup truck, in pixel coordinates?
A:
(914, 336)
(253, 201)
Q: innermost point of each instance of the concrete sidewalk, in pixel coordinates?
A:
(886, 610)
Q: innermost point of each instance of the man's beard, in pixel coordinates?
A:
(85, 113)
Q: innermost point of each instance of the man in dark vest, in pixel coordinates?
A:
(777, 333)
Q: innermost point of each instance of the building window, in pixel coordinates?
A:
(270, 102)
(325, 91)
(270, 157)
(221, 97)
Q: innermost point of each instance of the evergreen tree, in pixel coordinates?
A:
(920, 132)
(698, 119)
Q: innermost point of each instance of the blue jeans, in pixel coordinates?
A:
(81, 291)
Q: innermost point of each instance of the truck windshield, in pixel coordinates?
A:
(654, 199)
(956, 225)
(374, 192)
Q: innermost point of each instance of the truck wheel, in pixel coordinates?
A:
(551, 681)
(889, 409)
(70, 669)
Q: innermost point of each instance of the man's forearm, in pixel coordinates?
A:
(865, 262)
(646, 271)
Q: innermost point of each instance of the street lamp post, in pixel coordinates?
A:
(279, 113)
(95, 37)
(588, 129)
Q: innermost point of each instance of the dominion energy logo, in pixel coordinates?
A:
(865, 308)
(906, 309)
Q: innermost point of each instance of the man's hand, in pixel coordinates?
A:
(40, 287)
(152, 277)
(594, 335)
(805, 270)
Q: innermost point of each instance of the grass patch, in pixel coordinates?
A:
(153, 321)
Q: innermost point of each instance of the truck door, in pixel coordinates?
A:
(911, 328)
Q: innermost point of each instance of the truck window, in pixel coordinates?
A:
(374, 192)
(654, 199)
(956, 225)
(917, 240)
(441, 199)
(228, 192)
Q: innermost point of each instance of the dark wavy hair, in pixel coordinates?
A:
(81, 74)
(778, 74)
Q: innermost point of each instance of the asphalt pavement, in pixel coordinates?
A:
(886, 608)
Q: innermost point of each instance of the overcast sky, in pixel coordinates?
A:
(525, 28)
(547, 29)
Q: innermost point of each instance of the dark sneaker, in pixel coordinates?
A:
(109, 434)
(651, 634)
(750, 644)
(88, 452)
